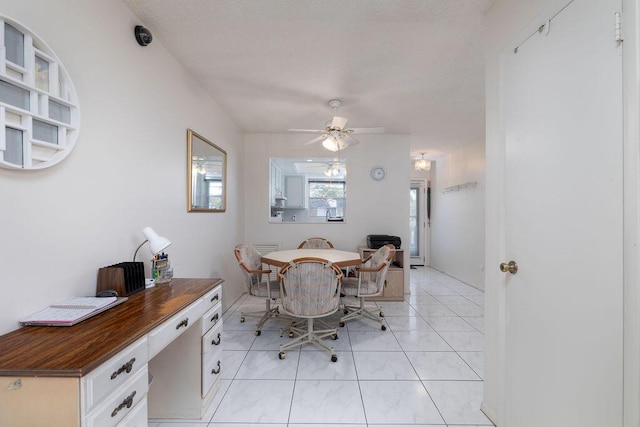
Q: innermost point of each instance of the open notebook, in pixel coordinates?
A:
(71, 311)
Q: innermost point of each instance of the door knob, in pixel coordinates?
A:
(510, 267)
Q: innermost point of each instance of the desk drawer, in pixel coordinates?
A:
(211, 374)
(212, 344)
(121, 402)
(161, 336)
(137, 417)
(211, 317)
(114, 373)
(213, 297)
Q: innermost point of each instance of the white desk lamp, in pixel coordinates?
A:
(156, 243)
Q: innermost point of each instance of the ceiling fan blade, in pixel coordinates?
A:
(362, 131)
(339, 122)
(316, 139)
(350, 140)
(306, 130)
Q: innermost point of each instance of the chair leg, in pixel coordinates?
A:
(312, 336)
(360, 311)
(263, 316)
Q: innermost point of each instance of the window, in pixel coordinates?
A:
(38, 103)
(307, 189)
(327, 198)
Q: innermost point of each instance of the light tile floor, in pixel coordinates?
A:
(424, 370)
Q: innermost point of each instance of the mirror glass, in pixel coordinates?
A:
(206, 175)
(307, 190)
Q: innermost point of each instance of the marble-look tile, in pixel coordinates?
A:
(421, 298)
(407, 323)
(467, 309)
(237, 340)
(449, 324)
(231, 361)
(327, 402)
(390, 365)
(458, 401)
(373, 341)
(246, 425)
(421, 341)
(477, 322)
(475, 359)
(266, 365)
(439, 290)
(316, 365)
(325, 425)
(477, 299)
(438, 309)
(452, 299)
(412, 425)
(464, 341)
(399, 402)
(215, 403)
(256, 401)
(363, 324)
(398, 308)
(269, 340)
(433, 365)
(177, 424)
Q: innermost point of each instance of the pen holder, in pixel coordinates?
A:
(161, 270)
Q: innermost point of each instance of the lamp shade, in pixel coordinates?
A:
(156, 243)
(422, 164)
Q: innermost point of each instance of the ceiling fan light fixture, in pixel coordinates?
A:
(331, 144)
(422, 164)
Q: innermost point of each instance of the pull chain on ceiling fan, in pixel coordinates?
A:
(335, 136)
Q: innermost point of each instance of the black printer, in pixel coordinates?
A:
(376, 241)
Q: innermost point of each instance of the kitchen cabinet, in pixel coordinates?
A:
(295, 191)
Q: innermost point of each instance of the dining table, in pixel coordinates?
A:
(338, 257)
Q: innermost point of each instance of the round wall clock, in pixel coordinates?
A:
(378, 173)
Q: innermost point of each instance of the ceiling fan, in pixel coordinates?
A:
(336, 136)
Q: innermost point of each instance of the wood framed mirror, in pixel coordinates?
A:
(206, 175)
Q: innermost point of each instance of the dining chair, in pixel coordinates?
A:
(369, 282)
(316, 243)
(258, 283)
(310, 289)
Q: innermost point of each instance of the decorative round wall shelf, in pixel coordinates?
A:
(39, 113)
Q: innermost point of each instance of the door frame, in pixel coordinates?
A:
(423, 236)
(494, 385)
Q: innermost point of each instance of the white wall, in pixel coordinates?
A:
(372, 207)
(457, 217)
(128, 170)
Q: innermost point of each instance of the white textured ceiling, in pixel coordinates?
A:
(412, 66)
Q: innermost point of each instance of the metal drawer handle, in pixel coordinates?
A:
(215, 298)
(184, 323)
(214, 342)
(216, 371)
(126, 403)
(127, 367)
(214, 318)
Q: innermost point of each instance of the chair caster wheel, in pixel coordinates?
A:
(290, 334)
(342, 324)
(381, 314)
(281, 355)
(258, 332)
(384, 328)
(334, 336)
(346, 311)
(242, 320)
(334, 358)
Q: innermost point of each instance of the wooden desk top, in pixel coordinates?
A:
(338, 257)
(75, 351)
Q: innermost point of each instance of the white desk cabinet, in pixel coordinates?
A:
(97, 373)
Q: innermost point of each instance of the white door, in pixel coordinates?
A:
(563, 222)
